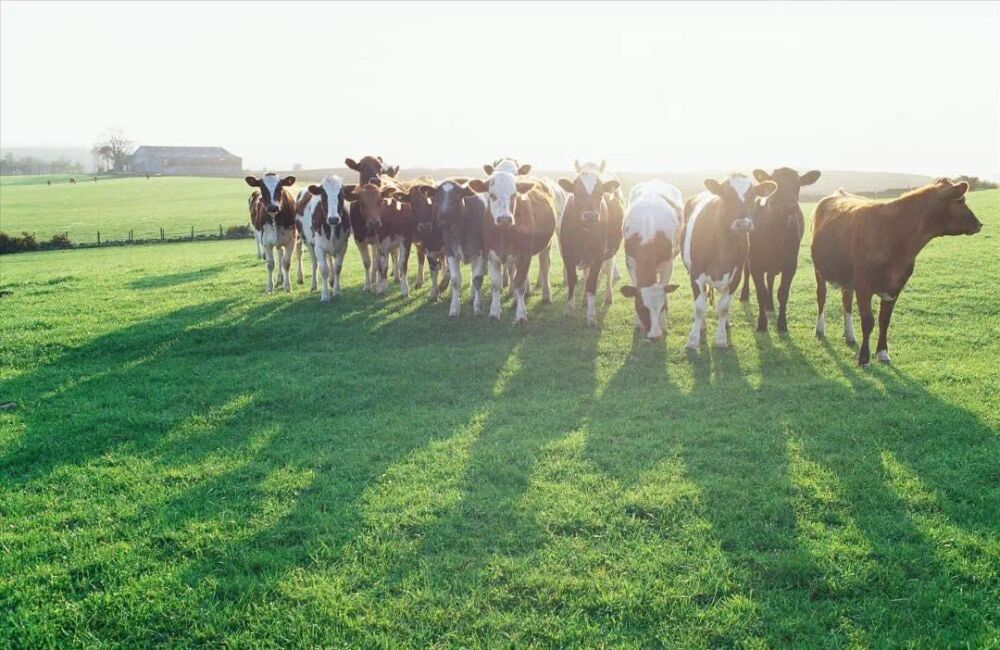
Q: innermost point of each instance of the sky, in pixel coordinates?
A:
(902, 87)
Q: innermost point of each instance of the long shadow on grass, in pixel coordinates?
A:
(175, 279)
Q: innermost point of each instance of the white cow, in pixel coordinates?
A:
(324, 225)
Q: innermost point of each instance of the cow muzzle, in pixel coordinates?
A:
(272, 209)
(590, 216)
(374, 225)
(333, 221)
(424, 227)
(742, 226)
(505, 222)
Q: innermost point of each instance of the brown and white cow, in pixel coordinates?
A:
(590, 232)
(325, 228)
(869, 248)
(458, 211)
(273, 216)
(391, 226)
(652, 238)
(778, 226)
(714, 243)
(371, 170)
(518, 224)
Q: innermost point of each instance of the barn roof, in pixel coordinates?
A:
(187, 152)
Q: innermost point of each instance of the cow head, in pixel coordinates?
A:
(953, 216)
(370, 169)
(448, 203)
(507, 165)
(650, 304)
(785, 200)
(419, 198)
(271, 189)
(502, 189)
(372, 200)
(588, 192)
(331, 193)
(738, 192)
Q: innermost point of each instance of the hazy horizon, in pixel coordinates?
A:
(651, 88)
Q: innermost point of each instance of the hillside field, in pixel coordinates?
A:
(192, 462)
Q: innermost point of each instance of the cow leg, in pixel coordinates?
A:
(455, 271)
(394, 254)
(867, 325)
(509, 278)
(260, 245)
(847, 297)
(590, 292)
(783, 289)
(760, 288)
(338, 264)
(884, 316)
(434, 262)
(569, 270)
(521, 283)
(477, 285)
(745, 291)
(325, 270)
(297, 250)
(700, 302)
(445, 276)
(770, 292)
(420, 271)
(722, 309)
(402, 265)
(496, 285)
(609, 268)
(821, 306)
(381, 278)
(269, 257)
(544, 264)
(286, 265)
(366, 260)
(313, 256)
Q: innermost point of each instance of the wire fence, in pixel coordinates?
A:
(27, 241)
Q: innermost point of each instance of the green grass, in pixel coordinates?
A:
(113, 206)
(192, 462)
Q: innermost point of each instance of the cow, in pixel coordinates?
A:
(252, 207)
(273, 217)
(72, 181)
(652, 234)
(778, 226)
(428, 236)
(390, 226)
(869, 249)
(590, 233)
(325, 229)
(371, 170)
(458, 211)
(518, 224)
(714, 243)
(49, 183)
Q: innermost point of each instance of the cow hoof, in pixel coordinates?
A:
(762, 327)
(453, 314)
(883, 356)
(864, 364)
(521, 321)
(607, 301)
(591, 323)
(325, 300)
(495, 317)
(692, 348)
(851, 342)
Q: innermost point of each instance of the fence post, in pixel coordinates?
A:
(98, 237)
(161, 234)
(131, 235)
(192, 233)
(220, 231)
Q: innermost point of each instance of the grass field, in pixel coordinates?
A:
(192, 462)
(113, 206)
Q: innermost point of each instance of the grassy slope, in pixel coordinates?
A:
(195, 462)
(113, 206)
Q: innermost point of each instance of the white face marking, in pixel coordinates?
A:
(272, 183)
(506, 165)
(503, 187)
(741, 184)
(654, 298)
(589, 180)
(447, 187)
(332, 186)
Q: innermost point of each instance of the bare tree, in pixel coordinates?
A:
(112, 150)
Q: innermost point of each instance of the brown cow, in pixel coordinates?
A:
(371, 169)
(273, 217)
(519, 222)
(869, 248)
(391, 226)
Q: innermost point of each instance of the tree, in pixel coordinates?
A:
(112, 150)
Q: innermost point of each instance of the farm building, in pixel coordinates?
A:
(186, 161)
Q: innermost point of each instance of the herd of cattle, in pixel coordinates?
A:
(739, 228)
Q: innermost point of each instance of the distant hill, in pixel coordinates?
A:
(73, 154)
(688, 182)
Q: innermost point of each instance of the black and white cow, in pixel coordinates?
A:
(717, 224)
(324, 226)
(458, 211)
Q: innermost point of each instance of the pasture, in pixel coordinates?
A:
(192, 462)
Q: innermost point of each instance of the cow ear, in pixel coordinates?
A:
(314, 189)
(524, 187)
(388, 192)
(957, 190)
(566, 184)
(765, 189)
(670, 288)
(392, 171)
(350, 192)
(760, 175)
(252, 181)
(478, 186)
(351, 164)
(576, 165)
(288, 181)
(488, 169)
(523, 170)
(809, 178)
(466, 191)
(713, 186)
(603, 163)
(611, 186)
(628, 291)
(426, 190)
